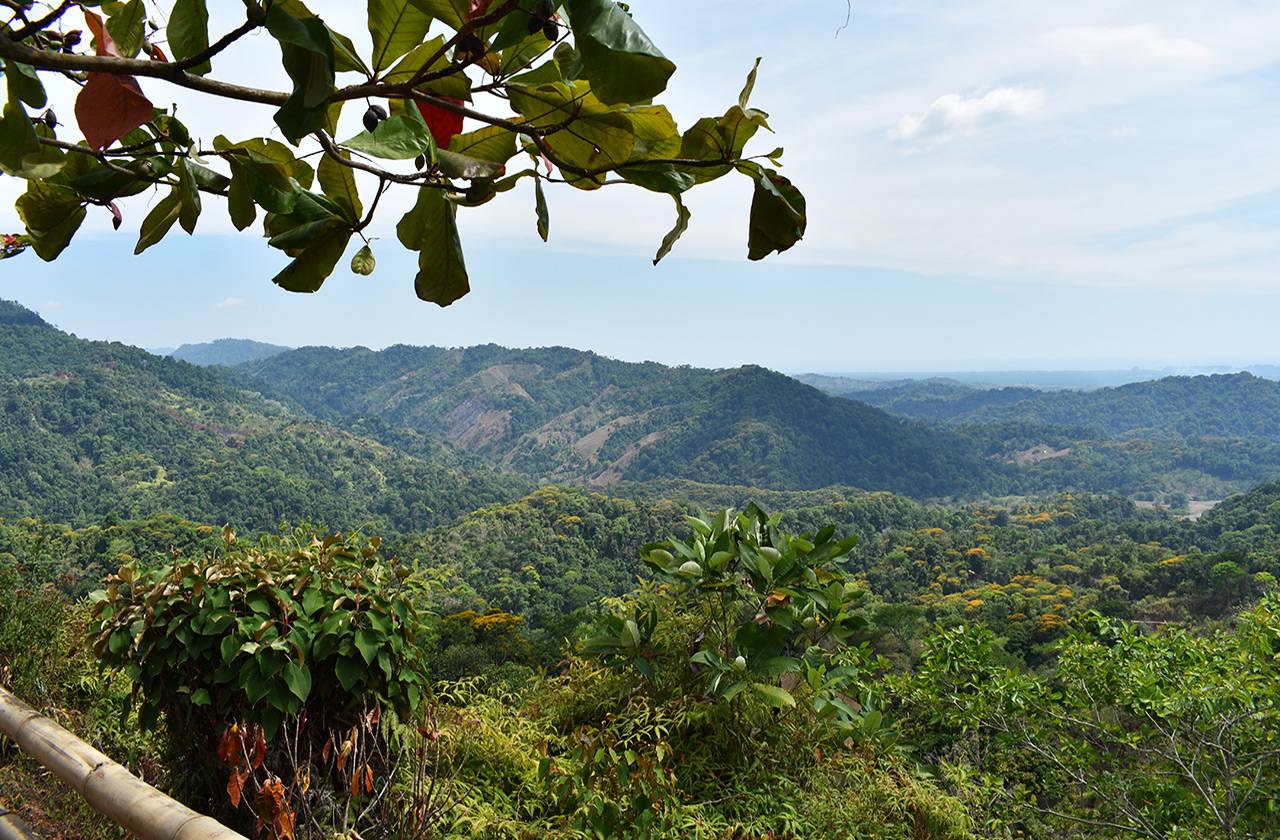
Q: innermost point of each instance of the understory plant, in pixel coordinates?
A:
(305, 637)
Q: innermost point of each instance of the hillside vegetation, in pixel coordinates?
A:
(565, 415)
(227, 352)
(92, 429)
(1238, 405)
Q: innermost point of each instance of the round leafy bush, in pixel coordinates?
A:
(255, 633)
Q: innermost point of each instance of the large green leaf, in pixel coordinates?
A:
(350, 672)
(454, 165)
(51, 214)
(298, 679)
(312, 267)
(540, 209)
(339, 183)
(313, 216)
(451, 12)
(621, 62)
(456, 85)
(396, 27)
(599, 137)
(400, 137)
(266, 171)
(188, 196)
(682, 224)
(431, 229)
(159, 221)
(240, 203)
(188, 32)
(24, 85)
(777, 697)
(21, 152)
(777, 215)
(712, 139)
(492, 143)
(127, 28)
(307, 52)
(368, 643)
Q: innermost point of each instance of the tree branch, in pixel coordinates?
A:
(172, 73)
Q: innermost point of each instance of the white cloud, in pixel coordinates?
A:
(955, 114)
(52, 305)
(1139, 44)
(229, 303)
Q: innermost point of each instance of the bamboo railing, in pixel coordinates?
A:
(109, 788)
(13, 828)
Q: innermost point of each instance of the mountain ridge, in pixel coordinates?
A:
(567, 415)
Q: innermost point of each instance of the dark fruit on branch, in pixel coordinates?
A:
(470, 49)
(373, 116)
(535, 23)
(551, 30)
(545, 9)
(420, 162)
(50, 119)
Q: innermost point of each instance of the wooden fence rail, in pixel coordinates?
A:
(133, 804)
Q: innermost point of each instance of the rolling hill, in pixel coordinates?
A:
(557, 414)
(93, 430)
(227, 352)
(1237, 405)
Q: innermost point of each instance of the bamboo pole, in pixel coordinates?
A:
(13, 828)
(111, 789)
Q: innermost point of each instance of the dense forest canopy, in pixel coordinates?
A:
(1221, 405)
(599, 652)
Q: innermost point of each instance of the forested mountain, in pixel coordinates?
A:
(92, 429)
(1238, 405)
(567, 415)
(227, 352)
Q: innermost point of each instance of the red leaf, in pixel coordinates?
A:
(109, 106)
(259, 747)
(478, 8)
(368, 779)
(444, 124)
(105, 45)
(227, 745)
(117, 218)
(157, 54)
(235, 786)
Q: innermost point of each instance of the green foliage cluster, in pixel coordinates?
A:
(91, 431)
(775, 674)
(575, 84)
(549, 555)
(258, 633)
(1128, 733)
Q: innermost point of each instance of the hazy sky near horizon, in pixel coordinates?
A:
(992, 184)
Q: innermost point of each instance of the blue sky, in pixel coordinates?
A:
(1006, 184)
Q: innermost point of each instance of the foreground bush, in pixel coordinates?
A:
(273, 664)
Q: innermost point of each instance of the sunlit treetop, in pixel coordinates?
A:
(560, 93)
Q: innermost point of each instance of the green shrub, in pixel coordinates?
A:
(255, 633)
